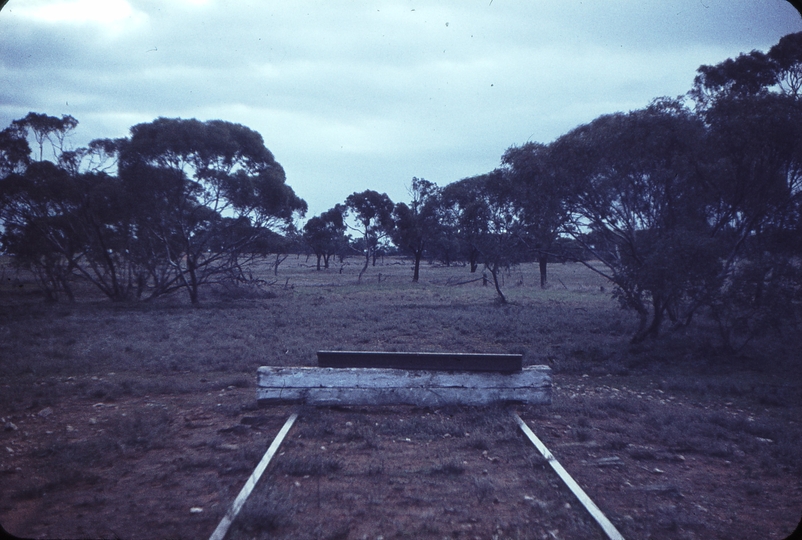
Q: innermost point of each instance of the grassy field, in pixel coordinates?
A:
(121, 418)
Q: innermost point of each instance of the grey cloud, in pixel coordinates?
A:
(368, 93)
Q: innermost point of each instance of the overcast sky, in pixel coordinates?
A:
(354, 95)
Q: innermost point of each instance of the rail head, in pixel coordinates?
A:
(431, 361)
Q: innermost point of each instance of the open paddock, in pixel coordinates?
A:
(140, 420)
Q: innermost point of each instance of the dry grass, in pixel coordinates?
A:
(159, 397)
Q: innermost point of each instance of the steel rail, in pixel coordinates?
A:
(589, 505)
(221, 530)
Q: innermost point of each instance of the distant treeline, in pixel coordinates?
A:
(691, 205)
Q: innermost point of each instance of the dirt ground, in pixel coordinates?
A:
(396, 472)
(142, 422)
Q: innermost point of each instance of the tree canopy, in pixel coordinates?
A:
(325, 234)
(373, 213)
(416, 224)
(188, 202)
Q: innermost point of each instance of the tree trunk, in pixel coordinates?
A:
(279, 260)
(193, 281)
(542, 260)
(416, 271)
(141, 283)
(657, 320)
(652, 330)
(635, 302)
(318, 262)
(364, 268)
(67, 288)
(494, 272)
(49, 286)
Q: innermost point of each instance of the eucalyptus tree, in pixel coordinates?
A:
(58, 221)
(62, 222)
(38, 208)
(15, 152)
(416, 224)
(46, 129)
(778, 71)
(373, 213)
(325, 234)
(463, 212)
(541, 198)
(752, 106)
(490, 220)
(503, 242)
(205, 192)
(636, 185)
(190, 200)
(446, 245)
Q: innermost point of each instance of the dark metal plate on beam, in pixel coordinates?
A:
(499, 363)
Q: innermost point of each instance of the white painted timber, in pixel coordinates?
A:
(380, 386)
(586, 501)
(221, 530)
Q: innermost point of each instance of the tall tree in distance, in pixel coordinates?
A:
(542, 199)
(416, 224)
(325, 234)
(502, 243)
(463, 210)
(44, 128)
(491, 222)
(373, 212)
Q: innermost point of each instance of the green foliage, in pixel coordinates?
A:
(39, 209)
(416, 225)
(753, 73)
(462, 211)
(325, 234)
(190, 203)
(44, 128)
(635, 184)
(753, 112)
(490, 222)
(217, 188)
(14, 152)
(373, 213)
(541, 197)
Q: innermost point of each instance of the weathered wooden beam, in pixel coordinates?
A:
(378, 386)
(503, 363)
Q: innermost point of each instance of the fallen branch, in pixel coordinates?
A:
(465, 282)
